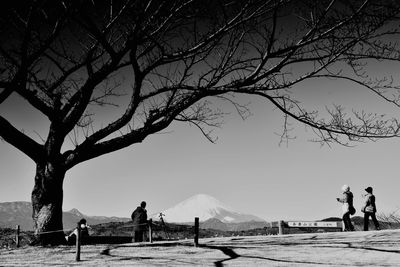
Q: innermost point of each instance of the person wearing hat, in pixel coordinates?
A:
(369, 209)
(347, 207)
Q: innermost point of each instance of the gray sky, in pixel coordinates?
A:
(246, 169)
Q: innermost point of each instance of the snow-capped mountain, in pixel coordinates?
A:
(205, 207)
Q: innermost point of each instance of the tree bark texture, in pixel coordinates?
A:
(47, 199)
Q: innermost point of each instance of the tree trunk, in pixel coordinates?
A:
(47, 199)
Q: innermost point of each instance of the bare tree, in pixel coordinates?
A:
(390, 220)
(162, 61)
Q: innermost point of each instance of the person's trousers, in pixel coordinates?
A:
(138, 236)
(374, 220)
(348, 226)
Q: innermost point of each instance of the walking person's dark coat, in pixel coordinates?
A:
(139, 218)
(369, 209)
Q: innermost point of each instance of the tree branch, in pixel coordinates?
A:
(21, 141)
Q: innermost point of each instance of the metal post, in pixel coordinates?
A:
(280, 227)
(78, 242)
(196, 231)
(17, 235)
(151, 231)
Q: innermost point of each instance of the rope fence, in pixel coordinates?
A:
(140, 224)
(78, 229)
(55, 231)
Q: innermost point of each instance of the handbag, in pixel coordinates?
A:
(369, 209)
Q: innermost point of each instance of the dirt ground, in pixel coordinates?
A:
(374, 248)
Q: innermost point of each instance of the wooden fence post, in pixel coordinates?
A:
(78, 242)
(196, 231)
(17, 235)
(151, 231)
(280, 228)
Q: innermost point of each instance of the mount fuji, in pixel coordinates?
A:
(205, 207)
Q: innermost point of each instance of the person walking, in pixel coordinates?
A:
(139, 218)
(347, 207)
(369, 209)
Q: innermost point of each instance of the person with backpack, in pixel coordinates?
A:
(369, 209)
(139, 218)
(347, 207)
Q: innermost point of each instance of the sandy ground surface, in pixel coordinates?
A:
(374, 248)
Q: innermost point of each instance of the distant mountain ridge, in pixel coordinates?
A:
(205, 207)
(20, 212)
(213, 214)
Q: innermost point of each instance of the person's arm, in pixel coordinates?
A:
(133, 215)
(344, 199)
(73, 233)
(372, 200)
(368, 200)
(373, 203)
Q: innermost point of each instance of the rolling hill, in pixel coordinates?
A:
(20, 212)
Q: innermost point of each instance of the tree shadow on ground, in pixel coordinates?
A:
(233, 255)
(106, 252)
(350, 245)
(229, 251)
